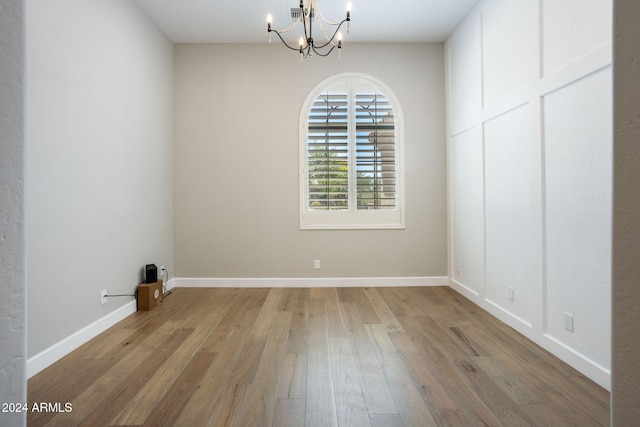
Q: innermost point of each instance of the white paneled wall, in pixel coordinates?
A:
(467, 215)
(572, 29)
(513, 213)
(530, 165)
(578, 170)
(508, 39)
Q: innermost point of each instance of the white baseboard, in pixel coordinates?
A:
(57, 351)
(577, 360)
(324, 282)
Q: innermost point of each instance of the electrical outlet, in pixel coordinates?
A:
(511, 294)
(568, 321)
(458, 269)
(316, 264)
(103, 297)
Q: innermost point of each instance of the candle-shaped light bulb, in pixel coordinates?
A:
(339, 45)
(348, 17)
(269, 20)
(301, 42)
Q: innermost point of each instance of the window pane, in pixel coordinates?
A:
(328, 153)
(375, 152)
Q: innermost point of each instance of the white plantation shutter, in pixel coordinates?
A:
(375, 152)
(328, 152)
(350, 153)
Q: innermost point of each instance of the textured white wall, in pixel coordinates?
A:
(513, 213)
(99, 160)
(578, 174)
(625, 395)
(12, 254)
(541, 138)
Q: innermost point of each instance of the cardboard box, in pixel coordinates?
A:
(149, 295)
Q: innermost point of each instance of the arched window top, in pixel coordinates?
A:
(351, 167)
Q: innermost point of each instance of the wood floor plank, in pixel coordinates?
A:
(126, 389)
(386, 420)
(320, 397)
(259, 404)
(214, 396)
(335, 324)
(289, 413)
(350, 404)
(245, 368)
(365, 309)
(72, 375)
(147, 399)
(382, 310)
(430, 366)
(415, 356)
(298, 342)
(168, 410)
(411, 407)
(86, 397)
(293, 377)
(376, 391)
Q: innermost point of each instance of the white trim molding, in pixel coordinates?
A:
(316, 282)
(57, 351)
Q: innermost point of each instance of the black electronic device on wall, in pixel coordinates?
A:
(151, 273)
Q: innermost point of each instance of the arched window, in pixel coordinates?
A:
(351, 166)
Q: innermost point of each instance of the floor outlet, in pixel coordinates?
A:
(103, 297)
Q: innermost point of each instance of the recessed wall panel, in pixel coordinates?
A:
(571, 29)
(508, 47)
(578, 165)
(467, 210)
(463, 55)
(513, 212)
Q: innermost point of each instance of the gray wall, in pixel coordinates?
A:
(99, 160)
(236, 123)
(12, 253)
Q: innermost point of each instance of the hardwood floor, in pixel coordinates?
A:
(315, 357)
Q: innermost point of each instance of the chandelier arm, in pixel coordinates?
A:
(307, 51)
(332, 37)
(317, 52)
(297, 49)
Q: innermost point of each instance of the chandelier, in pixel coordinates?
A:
(307, 45)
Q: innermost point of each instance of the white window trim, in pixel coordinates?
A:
(353, 218)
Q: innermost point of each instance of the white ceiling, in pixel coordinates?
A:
(224, 21)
